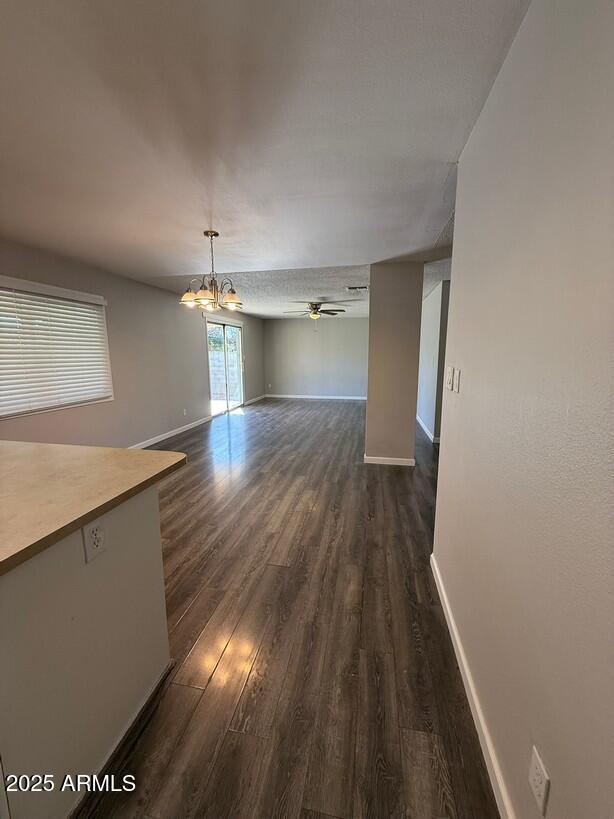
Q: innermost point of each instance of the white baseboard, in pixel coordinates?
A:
(128, 729)
(504, 803)
(157, 438)
(321, 397)
(433, 438)
(375, 459)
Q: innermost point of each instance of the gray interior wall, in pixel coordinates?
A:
(158, 358)
(325, 357)
(441, 365)
(525, 520)
(253, 347)
(432, 347)
(395, 304)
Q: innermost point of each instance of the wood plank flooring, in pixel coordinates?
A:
(315, 676)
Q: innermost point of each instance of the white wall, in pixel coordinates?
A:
(327, 357)
(432, 349)
(87, 643)
(524, 535)
(158, 358)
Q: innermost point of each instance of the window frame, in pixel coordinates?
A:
(41, 289)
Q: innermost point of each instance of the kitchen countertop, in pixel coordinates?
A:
(48, 491)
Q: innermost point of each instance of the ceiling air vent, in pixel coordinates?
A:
(357, 288)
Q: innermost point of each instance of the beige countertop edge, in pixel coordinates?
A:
(23, 554)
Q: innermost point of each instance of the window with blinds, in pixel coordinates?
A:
(53, 348)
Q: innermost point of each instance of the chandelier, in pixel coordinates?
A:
(211, 295)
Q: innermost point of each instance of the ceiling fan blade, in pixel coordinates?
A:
(322, 301)
(331, 312)
(344, 301)
(301, 312)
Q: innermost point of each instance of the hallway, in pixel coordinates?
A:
(314, 673)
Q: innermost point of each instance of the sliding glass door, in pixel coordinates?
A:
(225, 350)
(234, 366)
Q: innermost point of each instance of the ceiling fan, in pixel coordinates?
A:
(315, 311)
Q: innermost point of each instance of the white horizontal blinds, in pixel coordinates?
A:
(53, 352)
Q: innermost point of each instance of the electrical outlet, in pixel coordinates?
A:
(456, 381)
(93, 540)
(539, 780)
(185, 412)
(449, 378)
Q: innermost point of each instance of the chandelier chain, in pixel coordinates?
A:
(212, 261)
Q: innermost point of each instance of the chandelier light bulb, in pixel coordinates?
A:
(189, 298)
(204, 295)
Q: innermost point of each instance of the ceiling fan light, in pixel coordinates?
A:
(314, 315)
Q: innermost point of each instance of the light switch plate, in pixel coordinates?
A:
(456, 381)
(449, 377)
(539, 780)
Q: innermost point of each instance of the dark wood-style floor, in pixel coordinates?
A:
(315, 676)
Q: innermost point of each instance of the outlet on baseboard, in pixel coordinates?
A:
(539, 780)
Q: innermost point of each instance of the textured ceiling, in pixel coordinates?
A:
(271, 293)
(309, 134)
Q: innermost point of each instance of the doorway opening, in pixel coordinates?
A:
(225, 352)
